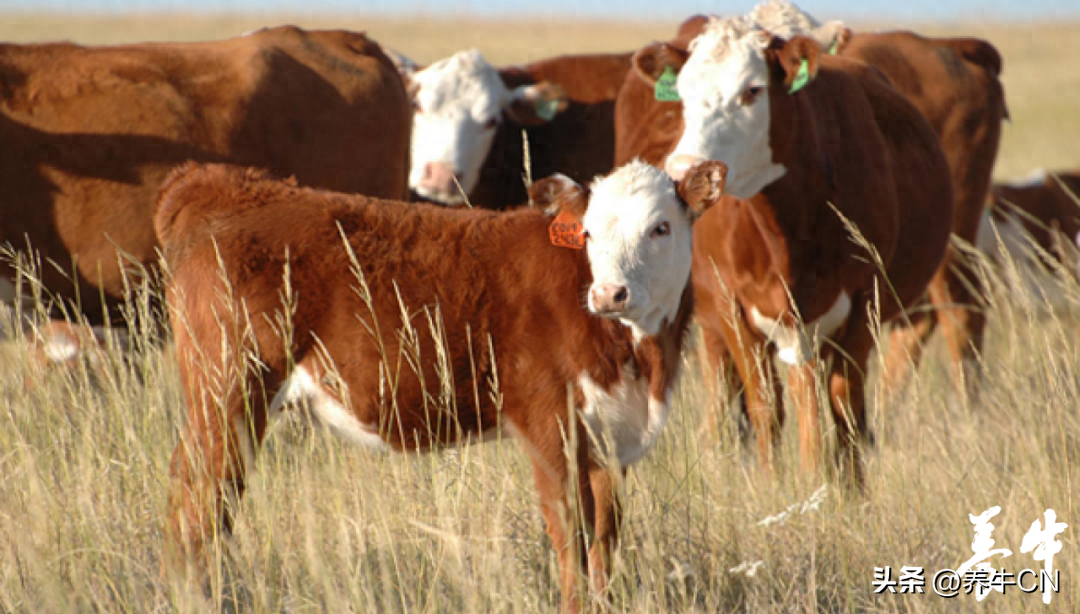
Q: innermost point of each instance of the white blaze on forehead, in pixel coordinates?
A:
(784, 19)
(455, 98)
(725, 60)
(624, 210)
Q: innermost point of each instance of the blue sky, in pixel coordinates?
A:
(851, 10)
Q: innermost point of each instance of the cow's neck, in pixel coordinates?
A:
(801, 195)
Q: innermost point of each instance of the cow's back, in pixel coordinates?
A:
(92, 132)
(954, 85)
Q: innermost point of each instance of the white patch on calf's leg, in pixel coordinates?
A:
(300, 386)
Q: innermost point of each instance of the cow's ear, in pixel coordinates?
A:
(532, 105)
(702, 186)
(650, 63)
(559, 193)
(794, 61)
(689, 30)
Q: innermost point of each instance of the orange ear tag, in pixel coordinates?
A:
(566, 231)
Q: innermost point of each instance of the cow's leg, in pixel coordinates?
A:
(847, 394)
(803, 386)
(717, 367)
(554, 477)
(961, 320)
(216, 448)
(606, 517)
(755, 368)
(906, 344)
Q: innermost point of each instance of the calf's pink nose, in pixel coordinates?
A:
(609, 298)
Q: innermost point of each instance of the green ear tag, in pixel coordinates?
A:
(546, 109)
(666, 89)
(801, 78)
(835, 47)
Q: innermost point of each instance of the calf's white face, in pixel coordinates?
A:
(458, 104)
(637, 229)
(724, 90)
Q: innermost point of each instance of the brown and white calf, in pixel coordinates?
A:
(469, 117)
(488, 292)
(815, 143)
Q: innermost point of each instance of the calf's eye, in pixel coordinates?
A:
(491, 123)
(662, 230)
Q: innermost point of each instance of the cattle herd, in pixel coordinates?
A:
(783, 183)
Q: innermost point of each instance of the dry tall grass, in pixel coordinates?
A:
(84, 459)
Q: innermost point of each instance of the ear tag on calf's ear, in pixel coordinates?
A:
(802, 77)
(835, 47)
(546, 109)
(666, 89)
(566, 231)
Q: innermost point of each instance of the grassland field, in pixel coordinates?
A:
(327, 528)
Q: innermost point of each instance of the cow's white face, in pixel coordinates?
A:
(458, 104)
(724, 89)
(638, 239)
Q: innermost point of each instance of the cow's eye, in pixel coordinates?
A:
(585, 235)
(662, 230)
(491, 123)
(750, 95)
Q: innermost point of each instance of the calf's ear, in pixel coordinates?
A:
(794, 61)
(559, 194)
(536, 104)
(702, 186)
(651, 62)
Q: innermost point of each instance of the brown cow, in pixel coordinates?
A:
(954, 84)
(498, 337)
(90, 133)
(804, 133)
(469, 118)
